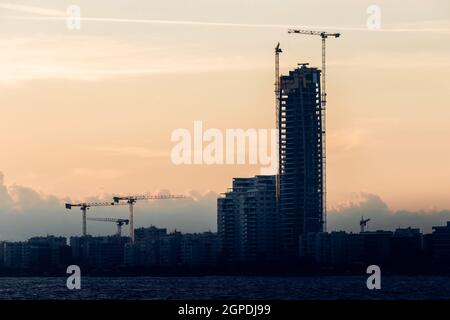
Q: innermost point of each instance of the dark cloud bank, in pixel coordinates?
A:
(382, 218)
(25, 213)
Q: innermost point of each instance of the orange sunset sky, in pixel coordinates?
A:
(90, 112)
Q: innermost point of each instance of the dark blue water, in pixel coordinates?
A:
(299, 288)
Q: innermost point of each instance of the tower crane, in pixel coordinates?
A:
(131, 200)
(119, 222)
(86, 206)
(324, 36)
(363, 224)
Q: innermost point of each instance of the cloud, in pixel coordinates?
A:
(24, 213)
(347, 216)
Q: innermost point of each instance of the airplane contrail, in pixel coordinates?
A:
(46, 14)
(31, 9)
(228, 24)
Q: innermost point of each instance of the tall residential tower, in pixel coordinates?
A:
(301, 157)
(247, 221)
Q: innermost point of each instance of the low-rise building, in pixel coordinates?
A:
(440, 243)
(199, 249)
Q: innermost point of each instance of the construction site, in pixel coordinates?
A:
(266, 223)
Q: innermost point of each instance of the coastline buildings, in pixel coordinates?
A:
(101, 252)
(406, 245)
(13, 255)
(404, 250)
(145, 251)
(157, 248)
(247, 220)
(43, 253)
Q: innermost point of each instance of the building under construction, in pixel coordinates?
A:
(301, 156)
(300, 186)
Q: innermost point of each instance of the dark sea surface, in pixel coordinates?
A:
(298, 288)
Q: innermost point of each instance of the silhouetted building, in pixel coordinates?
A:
(99, 252)
(78, 247)
(406, 246)
(441, 244)
(246, 220)
(301, 166)
(145, 251)
(13, 255)
(2, 253)
(343, 250)
(324, 248)
(227, 226)
(307, 246)
(427, 247)
(355, 249)
(47, 252)
(199, 249)
(377, 247)
(338, 249)
(140, 254)
(170, 249)
(149, 233)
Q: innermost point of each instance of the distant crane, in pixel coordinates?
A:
(277, 107)
(324, 36)
(363, 224)
(131, 200)
(119, 222)
(86, 206)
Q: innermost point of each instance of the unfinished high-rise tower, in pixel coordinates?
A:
(301, 157)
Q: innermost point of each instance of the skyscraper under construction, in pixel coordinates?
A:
(301, 157)
(263, 214)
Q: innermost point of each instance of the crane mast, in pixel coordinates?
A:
(324, 36)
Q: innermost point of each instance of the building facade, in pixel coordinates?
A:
(199, 249)
(146, 250)
(301, 157)
(247, 220)
(440, 242)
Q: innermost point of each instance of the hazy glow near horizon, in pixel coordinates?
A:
(90, 111)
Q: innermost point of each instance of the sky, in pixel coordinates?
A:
(87, 113)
